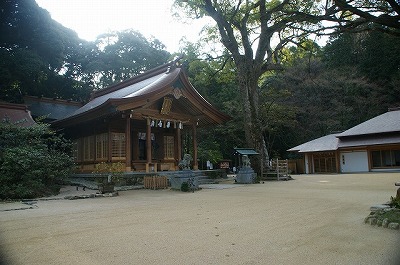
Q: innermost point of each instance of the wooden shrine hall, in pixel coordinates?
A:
(139, 122)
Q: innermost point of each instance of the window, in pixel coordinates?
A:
(169, 147)
(102, 146)
(385, 158)
(142, 145)
(118, 146)
(88, 148)
(77, 150)
(324, 163)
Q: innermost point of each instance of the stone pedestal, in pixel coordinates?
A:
(179, 177)
(246, 175)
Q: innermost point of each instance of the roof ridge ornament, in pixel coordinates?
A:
(177, 92)
(175, 63)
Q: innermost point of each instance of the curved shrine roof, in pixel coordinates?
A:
(143, 89)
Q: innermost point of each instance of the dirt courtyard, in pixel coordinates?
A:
(313, 219)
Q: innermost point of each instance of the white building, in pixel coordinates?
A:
(373, 145)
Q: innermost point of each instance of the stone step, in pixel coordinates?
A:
(274, 177)
(205, 180)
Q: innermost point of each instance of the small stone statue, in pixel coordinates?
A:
(184, 164)
(246, 161)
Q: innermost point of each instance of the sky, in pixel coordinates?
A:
(90, 18)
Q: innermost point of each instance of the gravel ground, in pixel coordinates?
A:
(314, 219)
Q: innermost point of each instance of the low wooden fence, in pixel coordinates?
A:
(278, 169)
(155, 182)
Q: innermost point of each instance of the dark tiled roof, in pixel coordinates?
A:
(52, 109)
(16, 114)
(246, 151)
(385, 123)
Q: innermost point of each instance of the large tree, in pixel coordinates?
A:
(34, 52)
(370, 15)
(117, 56)
(254, 33)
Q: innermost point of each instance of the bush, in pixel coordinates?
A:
(113, 170)
(394, 202)
(33, 161)
(213, 174)
(184, 187)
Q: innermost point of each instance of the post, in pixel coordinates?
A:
(178, 144)
(148, 145)
(195, 163)
(277, 168)
(128, 144)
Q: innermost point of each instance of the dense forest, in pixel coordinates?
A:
(315, 90)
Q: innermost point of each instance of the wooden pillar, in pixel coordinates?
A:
(195, 162)
(178, 145)
(109, 157)
(148, 141)
(337, 157)
(128, 144)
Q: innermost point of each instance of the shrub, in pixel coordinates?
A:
(394, 202)
(33, 161)
(184, 187)
(112, 170)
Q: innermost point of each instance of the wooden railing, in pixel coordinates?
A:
(155, 182)
(279, 169)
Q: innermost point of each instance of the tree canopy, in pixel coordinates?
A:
(269, 74)
(40, 57)
(117, 56)
(255, 33)
(381, 16)
(256, 36)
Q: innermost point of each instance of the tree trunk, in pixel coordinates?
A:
(248, 75)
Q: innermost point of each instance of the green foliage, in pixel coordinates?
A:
(113, 170)
(216, 81)
(118, 56)
(394, 202)
(184, 187)
(373, 53)
(33, 51)
(208, 150)
(310, 100)
(33, 161)
(40, 57)
(392, 216)
(214, 174)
